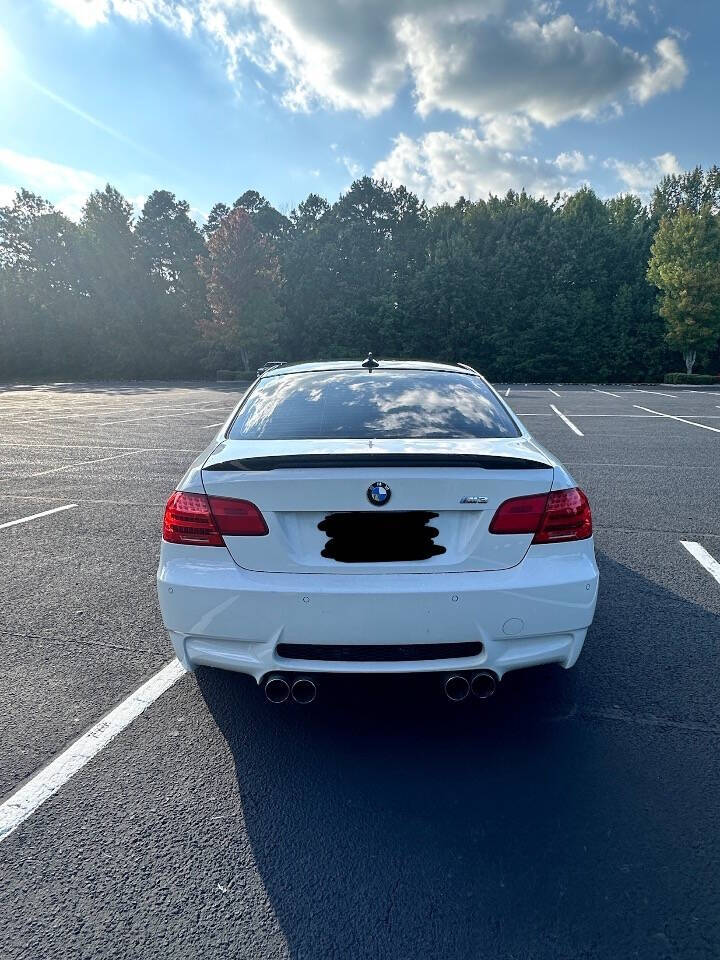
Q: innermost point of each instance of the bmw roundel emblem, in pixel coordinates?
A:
(378, 493)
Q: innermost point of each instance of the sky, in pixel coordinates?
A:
(209, 98)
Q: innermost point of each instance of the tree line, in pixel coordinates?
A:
(574, 289)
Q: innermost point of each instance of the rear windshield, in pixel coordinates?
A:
(349, 404)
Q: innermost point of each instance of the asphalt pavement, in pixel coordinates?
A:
(574, 815)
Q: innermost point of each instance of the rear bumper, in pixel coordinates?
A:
(220, 615)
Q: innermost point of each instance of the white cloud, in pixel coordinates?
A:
(352, 167)
(138, 202)
(186, 19)
(508, 131)
(624, 11)
(644, 175)
(479, 58)
(549, 71)
(66, 187)
(573, 161)
(667, 74)
(443, 166)
(90, 13)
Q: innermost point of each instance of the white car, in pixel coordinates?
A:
(376, 517)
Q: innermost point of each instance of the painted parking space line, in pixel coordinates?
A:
(612, 464)
(36, 516)
(644, 416)
(161, 416)
(703, 557)
(565, 420)
(36, 444)
(143, 504)
(105, 412)
(553, 392)
(607, 393)
(657, 393)
(26, 799)
(507, 392)
(71, 466)
(670, 416)
(208, 425)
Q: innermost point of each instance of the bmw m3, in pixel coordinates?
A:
(383, 517)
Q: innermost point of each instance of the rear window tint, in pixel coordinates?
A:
(349, 404)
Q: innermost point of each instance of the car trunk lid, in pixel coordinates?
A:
(314, 496)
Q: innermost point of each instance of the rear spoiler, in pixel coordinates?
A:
(347, 460)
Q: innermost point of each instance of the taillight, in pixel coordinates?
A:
(554, 517)
(237, 518)
(519, 515)
(193, 518)
(188, 520)
(567, 517)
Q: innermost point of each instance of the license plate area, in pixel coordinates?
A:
(399, 536)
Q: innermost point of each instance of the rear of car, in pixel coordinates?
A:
(362, 520)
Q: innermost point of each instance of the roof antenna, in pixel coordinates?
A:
(370, 363)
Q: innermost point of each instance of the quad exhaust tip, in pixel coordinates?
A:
(483, 684)
(458, 687)
(279, 689)
(303, 690)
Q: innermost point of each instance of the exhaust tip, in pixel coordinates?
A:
(277, 689)
(483, 684)
(304, 690)
(457, 687)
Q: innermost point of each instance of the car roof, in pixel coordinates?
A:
(319, 365)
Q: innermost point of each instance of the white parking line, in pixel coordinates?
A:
(657, 393)
(565, 419)
(35, 516)
(208, 425)
(607, 392)
(554, 392)
(35, 443)
(128, 503)
(643, 416)
(26, 800)
(507, 392)
(71, 466)
(703, 557)
(103, 412)
(703, 426)
(161, 416)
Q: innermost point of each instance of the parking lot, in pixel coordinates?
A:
(575, 815)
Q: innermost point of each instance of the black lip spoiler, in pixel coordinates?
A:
(346, 460)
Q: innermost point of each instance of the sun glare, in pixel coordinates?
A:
(8, 56)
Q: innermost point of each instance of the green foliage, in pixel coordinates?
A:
(243, 280)
(521, 288)
(168, 245)
(691, 378)
(685, 266)
(694, 191)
